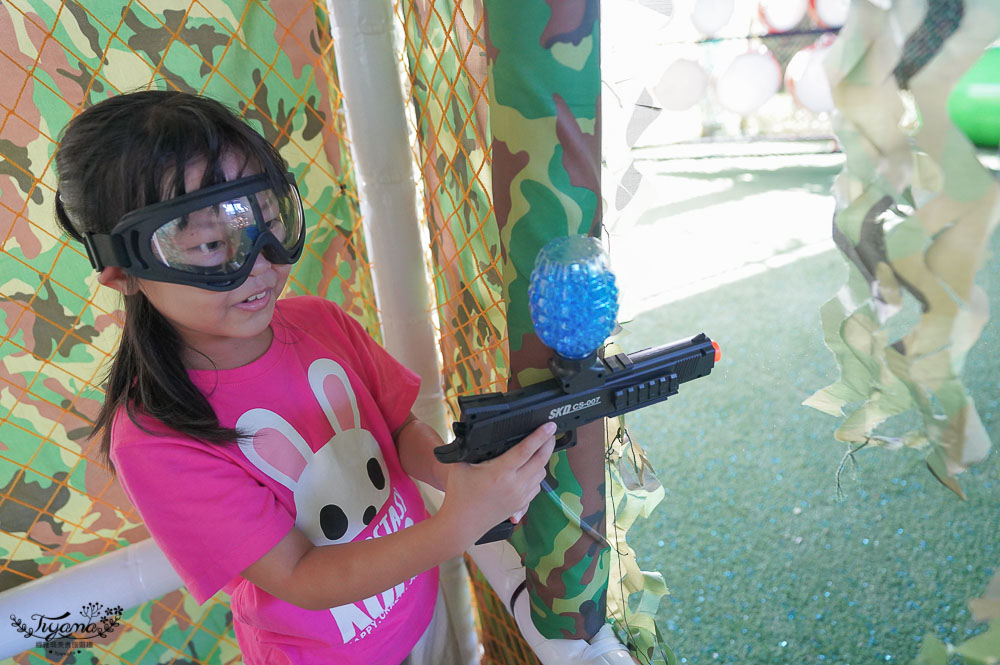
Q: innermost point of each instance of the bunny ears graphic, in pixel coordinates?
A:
(287, 452)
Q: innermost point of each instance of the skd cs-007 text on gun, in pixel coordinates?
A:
(577, 394)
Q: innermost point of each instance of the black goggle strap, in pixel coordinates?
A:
(106, 250)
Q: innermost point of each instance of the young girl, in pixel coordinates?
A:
(268, 444)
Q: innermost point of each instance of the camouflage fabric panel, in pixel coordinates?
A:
(914, 210)
(980, 649)
(335, 263)
(544, 98)
(446, 57)
(272, 61)
(634, 595)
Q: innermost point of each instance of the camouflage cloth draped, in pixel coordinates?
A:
(914, 211)
(272, 61)
(544, 79)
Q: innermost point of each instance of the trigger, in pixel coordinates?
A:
(566, 440)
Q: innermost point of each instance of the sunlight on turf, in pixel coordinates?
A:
(710, 222)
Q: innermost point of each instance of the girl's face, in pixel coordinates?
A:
(231, 328)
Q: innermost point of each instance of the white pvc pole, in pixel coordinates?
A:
(124, 578)
(371, 79)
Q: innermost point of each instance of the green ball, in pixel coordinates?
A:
(974, 104)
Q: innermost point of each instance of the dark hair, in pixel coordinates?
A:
(124, 153)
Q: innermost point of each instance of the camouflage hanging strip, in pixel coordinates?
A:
(544, 78)
(914, 211)
(633, 493)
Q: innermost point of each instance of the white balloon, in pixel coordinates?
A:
(829, 13)
(682, 85)
(749, 81)
(710, 16)
(782, 15)
(806, 79)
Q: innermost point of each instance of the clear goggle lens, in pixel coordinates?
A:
(219, 239)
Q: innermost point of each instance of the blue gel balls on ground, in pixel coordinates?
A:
(572, 296)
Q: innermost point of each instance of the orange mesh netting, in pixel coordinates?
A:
(274, 62)
(446, 59)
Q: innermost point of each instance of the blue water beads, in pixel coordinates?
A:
(572, 296)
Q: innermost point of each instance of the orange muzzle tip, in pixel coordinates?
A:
(718, 352)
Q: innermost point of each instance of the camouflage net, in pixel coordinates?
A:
(915, 209)
(273, 62)
(446, 61)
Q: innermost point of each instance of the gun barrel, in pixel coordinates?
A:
(492, 423)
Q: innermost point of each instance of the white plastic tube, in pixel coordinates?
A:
(371, 79)
(126, 577)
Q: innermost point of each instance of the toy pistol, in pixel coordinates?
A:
(579, 392)
(573, 300)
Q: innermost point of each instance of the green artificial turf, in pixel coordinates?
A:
(765, 563)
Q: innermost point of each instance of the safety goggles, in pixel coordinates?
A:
(209, 238)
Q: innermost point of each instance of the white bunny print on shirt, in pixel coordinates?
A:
(339, 489)
(342, 486)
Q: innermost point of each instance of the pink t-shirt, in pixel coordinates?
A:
(320, 406)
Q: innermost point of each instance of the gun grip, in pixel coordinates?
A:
(501, 531)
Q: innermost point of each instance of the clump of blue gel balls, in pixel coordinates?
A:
(572, 296)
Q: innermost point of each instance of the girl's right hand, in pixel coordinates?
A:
(480, 496)
(477, 498)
